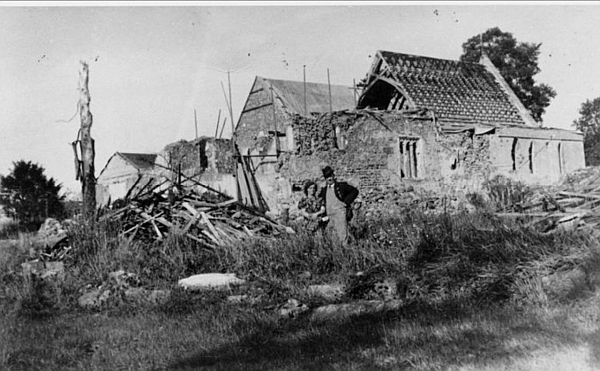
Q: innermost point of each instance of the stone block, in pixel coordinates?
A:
(211, 281)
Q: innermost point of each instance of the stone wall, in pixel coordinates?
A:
(376, 149)
(536, 160)
(370, 155)
(365, 151)
(209, 161)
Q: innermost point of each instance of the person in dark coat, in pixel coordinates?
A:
(338, 198)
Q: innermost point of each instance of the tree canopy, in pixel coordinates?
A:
(517, 63)
(28, 195)
(589, 124)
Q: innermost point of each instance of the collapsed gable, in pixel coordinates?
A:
(456, 91)
(271, 105)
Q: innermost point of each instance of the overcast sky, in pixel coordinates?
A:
(151, 66)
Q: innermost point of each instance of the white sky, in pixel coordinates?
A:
(150, 66)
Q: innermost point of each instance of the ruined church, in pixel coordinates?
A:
(433, 124)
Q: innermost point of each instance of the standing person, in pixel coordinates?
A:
(338, 198)
(311, 207)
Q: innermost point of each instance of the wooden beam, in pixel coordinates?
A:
(257, 107)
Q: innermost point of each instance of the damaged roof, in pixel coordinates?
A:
(291, 94)
(141, 161)
(456, 91)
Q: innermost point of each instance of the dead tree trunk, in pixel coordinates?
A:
(88, 180)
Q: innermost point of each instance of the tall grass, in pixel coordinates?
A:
(462, 274)
(474, 257)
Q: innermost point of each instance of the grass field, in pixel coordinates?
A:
(472, 301)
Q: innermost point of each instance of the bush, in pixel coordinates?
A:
(506, 194)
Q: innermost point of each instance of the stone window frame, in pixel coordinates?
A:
(341, 140)
(408, 166)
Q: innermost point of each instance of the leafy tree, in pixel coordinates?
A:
(517, 63)
(28, 196)
(589, 124)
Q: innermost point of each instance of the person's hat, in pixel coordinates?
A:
(327, 171)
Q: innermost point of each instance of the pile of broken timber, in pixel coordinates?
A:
(575, 204)
(210, 218)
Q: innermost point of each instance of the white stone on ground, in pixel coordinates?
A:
(211, 281)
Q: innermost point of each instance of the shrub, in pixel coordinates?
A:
(506, 194)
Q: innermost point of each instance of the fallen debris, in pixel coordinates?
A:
(210, 218)
(54, 239)
(292, 309)
(121, 287)
(573, 205)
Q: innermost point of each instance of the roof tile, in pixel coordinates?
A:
(452, 88)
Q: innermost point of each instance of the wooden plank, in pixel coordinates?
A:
(582, 195)
(226, 203)
(205, 243)
(114, 213)
(230, 231)
(210, 226)
(249, 232)
(257, 107)
(160, 236)
(190, 208)
(191, 222)
(515, 214)
(212, 238)
(143, 222)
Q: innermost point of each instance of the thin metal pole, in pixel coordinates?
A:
(218, 122)
(230, 104)
(223, 127)
(304, 79)
(197, 144)
(233, 147)
(329, 86)
(354, 91)
(196, 123)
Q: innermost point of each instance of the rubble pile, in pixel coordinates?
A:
(210, 218)
(573, 205)
(121, 287)
(389, 200)
(54, 239)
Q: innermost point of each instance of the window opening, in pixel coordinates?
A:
(340, 137)
(560, 164)
(513, 154)
(408, 158)
(531, 157)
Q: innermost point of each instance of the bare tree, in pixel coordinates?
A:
(87, 177)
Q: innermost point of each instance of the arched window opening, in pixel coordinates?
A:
(531, 157)
(513, 154)
(560, 160)
(408, 162)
